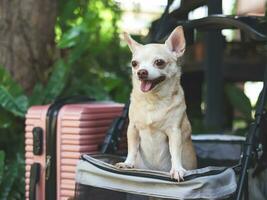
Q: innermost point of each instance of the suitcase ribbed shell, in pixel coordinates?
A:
(81, 129)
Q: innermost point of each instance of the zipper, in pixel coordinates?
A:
(47, 167)
(152, 175)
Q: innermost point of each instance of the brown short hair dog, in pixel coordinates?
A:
(159, 133)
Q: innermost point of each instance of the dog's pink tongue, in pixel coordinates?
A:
(146, 86)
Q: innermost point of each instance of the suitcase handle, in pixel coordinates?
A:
(34, 179)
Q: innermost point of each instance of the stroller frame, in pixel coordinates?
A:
(251, 146)
(255, 135)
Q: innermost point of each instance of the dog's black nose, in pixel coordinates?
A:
(142, 74)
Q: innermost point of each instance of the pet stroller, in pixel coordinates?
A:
(234, 160)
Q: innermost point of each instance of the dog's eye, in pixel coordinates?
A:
(134, 63)
(159, 62)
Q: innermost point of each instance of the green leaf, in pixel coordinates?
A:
(239, 100)
(7, 82)
(2, 165)
(9, 103)
(37, 96)
(6, 119)
(23, 103)
(78, 50)
(112, 82)
(66, 12)
(69, 39)
(56, 82)
(8, 180)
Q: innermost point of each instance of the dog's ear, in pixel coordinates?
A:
(176, 42)
(133, 45)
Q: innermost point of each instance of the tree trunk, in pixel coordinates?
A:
(27, 39)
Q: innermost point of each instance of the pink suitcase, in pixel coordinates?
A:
(56, 136)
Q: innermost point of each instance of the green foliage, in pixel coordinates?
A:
(11, 104)
(2, 165)
(11, 95)
(7, 82)
(91, 62)
(15, 101)
(12, 182)
(239, 101)
(88, 32)
(56, 83)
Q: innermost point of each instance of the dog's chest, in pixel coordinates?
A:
(154, 150)
(149, 116)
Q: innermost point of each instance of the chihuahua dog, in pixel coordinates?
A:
(159, 133)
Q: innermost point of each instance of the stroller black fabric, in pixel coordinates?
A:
(98, 179)
(218, 149)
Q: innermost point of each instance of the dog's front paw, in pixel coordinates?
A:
(178, 173)
(124, 165)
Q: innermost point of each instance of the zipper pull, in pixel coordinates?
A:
(47, 167)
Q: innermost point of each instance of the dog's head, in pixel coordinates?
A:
(152, 64)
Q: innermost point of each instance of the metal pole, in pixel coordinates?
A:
(214, 72)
